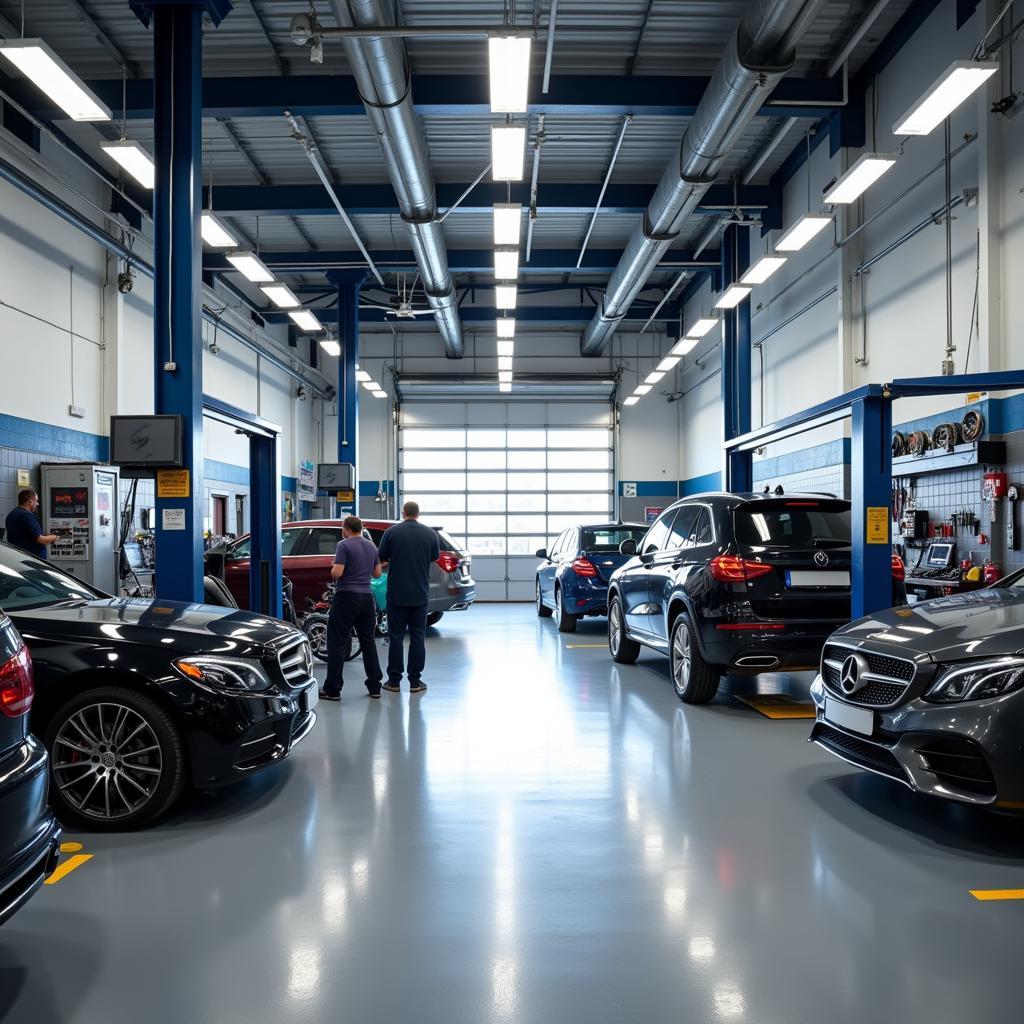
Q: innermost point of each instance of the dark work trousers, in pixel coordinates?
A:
(401, 617)
(351, 609)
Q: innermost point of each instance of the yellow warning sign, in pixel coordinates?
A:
(877, 531)
(779, 705)
(346, 496)
(172, 483)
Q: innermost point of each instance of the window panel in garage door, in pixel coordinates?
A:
(503, 491)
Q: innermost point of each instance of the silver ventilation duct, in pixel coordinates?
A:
(760, 52)
(380, 67)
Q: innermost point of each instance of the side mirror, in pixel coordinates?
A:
(648, 556)
(543, 553)
(628, 547)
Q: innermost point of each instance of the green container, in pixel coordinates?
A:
(379, 587)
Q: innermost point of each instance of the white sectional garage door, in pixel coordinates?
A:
(504, 478)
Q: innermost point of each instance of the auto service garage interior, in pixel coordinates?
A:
(693, 330)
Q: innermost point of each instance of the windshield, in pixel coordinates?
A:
(606, 539)
(29, 582)
(793, 525)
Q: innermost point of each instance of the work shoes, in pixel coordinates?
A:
(392, 687)
(324, 695)
(418, 688)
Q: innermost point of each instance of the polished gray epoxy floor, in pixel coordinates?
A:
(542, 837)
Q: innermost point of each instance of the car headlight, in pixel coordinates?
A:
(977, 681)
(230, 674)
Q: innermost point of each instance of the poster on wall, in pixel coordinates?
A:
(307, 480)
(651, 513)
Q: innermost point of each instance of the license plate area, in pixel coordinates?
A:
(846, 716)
(309, 698)
(817, 578)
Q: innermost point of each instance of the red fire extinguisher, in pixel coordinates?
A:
(990, 573)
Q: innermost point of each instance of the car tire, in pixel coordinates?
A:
(434, 618)
(566, 622)
(543, 611)
(143, 788)
(623, 650)
(314, 625)
(694, 680)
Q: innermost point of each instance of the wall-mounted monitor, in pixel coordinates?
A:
(146, 442)
(335, 476)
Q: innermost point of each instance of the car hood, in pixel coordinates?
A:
(176, 624)
(979, 624)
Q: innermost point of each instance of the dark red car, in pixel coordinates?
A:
(307, 554)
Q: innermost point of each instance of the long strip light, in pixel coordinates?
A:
(505, 296)
(863, 173)
(654, 377)
(504, 362)
(668, 364)
(505, 386)
(641, 389)
(508, 219)
(504, 376)
(362, 376)
(947, 92)
(134, 159)
(809, 225)
(508, 152)
(505, 326)
(331, 347)
(702, 326)
(506, 264)
(371, 385)
(632, 400)
(281, 295)
(732, 296)
(250, 266)
(379, 393)
(509, 65)
(215, 233)
(306, 320)
(506, 348)
(684, 346)
(37, 62)
(763, 269)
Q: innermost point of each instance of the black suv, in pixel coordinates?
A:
(743, 583)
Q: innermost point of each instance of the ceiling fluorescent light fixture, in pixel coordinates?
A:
(306, 320)
(506, 264)
(864, 172)
(684, 346)
(508, 218)
(509, 64)
(809, 225)
(653, 378)
(134, 159)
(508, 151)
(37, 62)
(379, 393)
(251, 267)
(732, 296)
(763, 269)
(281, 296)
(331, 347)
(505, 387)
(215, 234)
(371, 385)
(506, 348)
(505, 296)
(632, 400)
(506, 326)
(504, 362)
(641, 390)
(949, 90)
(504, 376)
(668, 363)
(362, 376)
(702, 326)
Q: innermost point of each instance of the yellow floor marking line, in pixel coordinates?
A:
(573, 647)
(998, 894)
(65, 867)
(778, 705)
(70, 847)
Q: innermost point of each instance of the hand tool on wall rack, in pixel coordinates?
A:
(1012, 533)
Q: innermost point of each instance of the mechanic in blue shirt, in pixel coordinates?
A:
(23, 528)
(408, 549)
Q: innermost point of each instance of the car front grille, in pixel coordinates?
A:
(296, 662)
(877, 693)
(958, 764)
(860, 752)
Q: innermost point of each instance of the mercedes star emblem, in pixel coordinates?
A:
(851, 678)
(820, 558)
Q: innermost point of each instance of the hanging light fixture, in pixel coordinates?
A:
(132, 156)
(861, 175)
(947, 92)
(508, 152)
(763, 269)
(214, 233)
(684, 346)
(505, 326)
(809, 225)
(37, 62)
(508, 218)
(250, 266)
(280, 295)
(732, 296)
(509, 65)
(331, 347)
(306, 320)
(506, 264)
(505, 296)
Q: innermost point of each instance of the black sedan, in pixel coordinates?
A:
(932, 696)
(29, 833)
(136, 699)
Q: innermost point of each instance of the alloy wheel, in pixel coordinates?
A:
(317, 633)
(682, 658)
(540, 602)
(615, 628)
(107, 761)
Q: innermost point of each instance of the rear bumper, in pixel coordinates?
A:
(793, 649)
(582, 595)
(455, 595)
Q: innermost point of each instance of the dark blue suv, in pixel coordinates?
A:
(573, 579)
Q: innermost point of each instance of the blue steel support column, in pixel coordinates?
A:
(265, 526)
(349, 283)
(870, 481)
(736, 351)
(177, 289)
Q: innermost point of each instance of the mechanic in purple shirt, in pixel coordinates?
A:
(355, 564)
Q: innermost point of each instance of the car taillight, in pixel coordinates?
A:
(733, 569)
(899, 570)
(17, 690)
(449, 561)
(584, 567)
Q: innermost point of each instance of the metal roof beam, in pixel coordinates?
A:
(468, 96)
(312, 200)
(485, 315)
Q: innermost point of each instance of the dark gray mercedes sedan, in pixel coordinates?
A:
(932, 696)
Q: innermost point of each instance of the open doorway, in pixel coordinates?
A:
(219, 514)
(239, 514)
